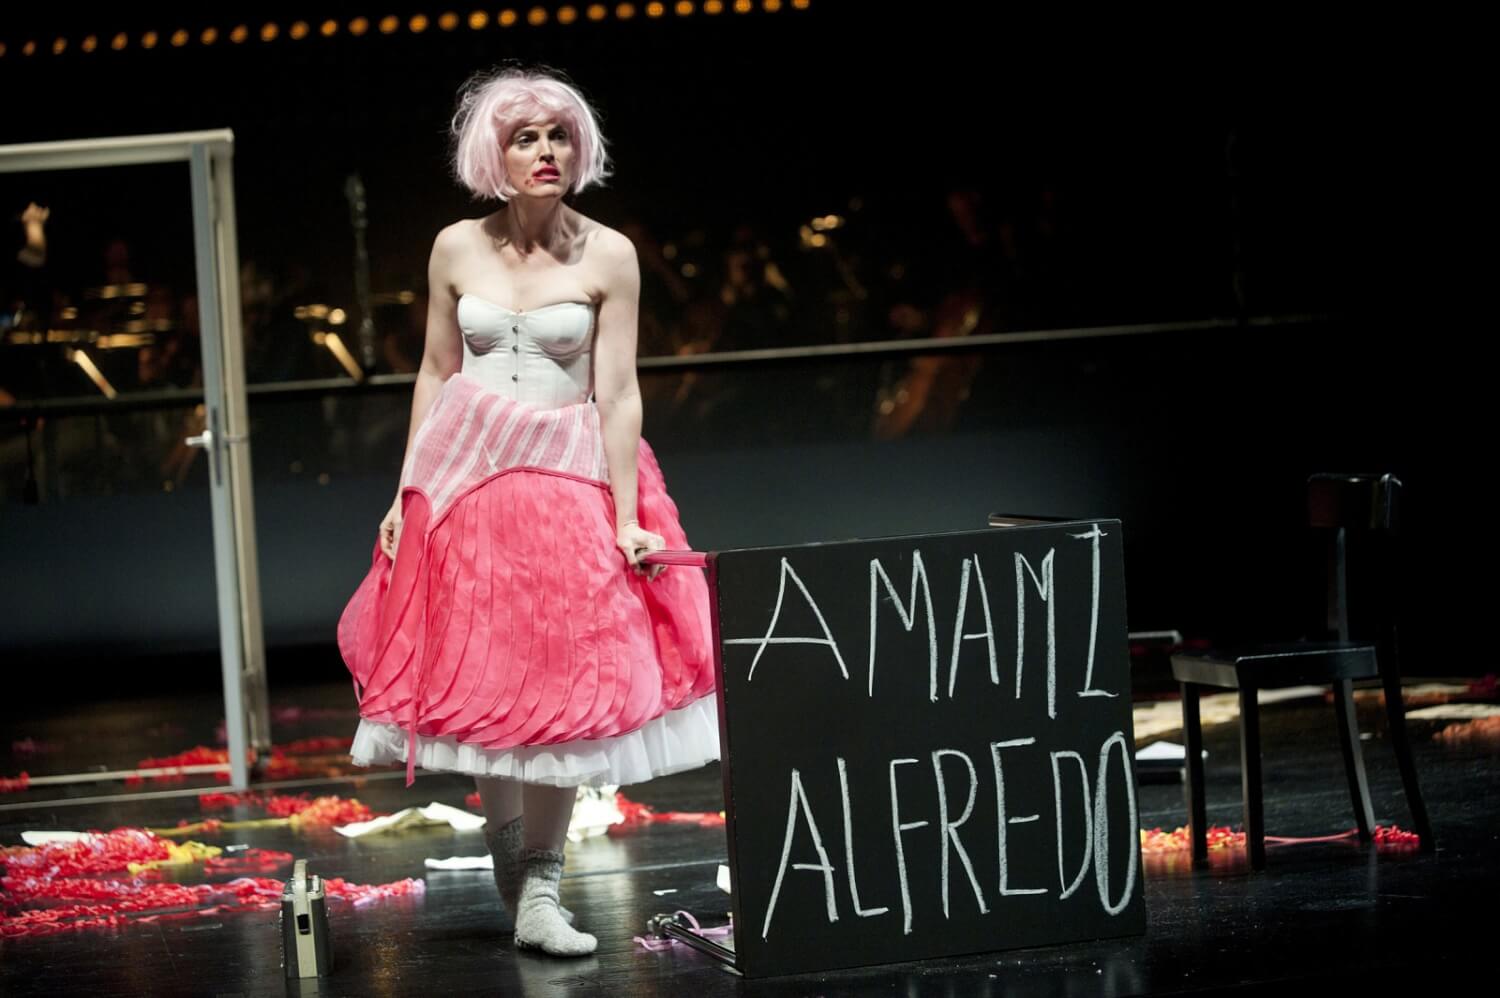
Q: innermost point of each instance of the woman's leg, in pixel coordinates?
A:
(539, 920)
(548, 811)
(500, 799)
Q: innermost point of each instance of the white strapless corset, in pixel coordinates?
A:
(540, 358)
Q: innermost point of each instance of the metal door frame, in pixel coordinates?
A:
(226, 437)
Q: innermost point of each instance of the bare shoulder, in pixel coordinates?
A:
(450, 248)
(612, 258)
(455, 235)
(610, 247)
(614, 244)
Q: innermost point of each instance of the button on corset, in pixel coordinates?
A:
(550, 357)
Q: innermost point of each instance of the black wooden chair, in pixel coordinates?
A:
(1358, 515)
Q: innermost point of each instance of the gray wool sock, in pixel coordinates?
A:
(505, 846)
(539, 923)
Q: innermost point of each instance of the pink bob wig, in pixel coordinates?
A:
(492, 106)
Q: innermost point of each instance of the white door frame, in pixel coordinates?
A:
(226, 437)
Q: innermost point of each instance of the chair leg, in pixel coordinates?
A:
(1192, 737)
(1396, 717)
(1354, 759)
(1255, 831)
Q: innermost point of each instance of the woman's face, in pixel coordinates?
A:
(539, 159)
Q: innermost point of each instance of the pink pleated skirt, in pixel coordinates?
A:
(509, 636)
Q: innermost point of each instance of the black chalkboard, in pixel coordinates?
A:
(868, 763)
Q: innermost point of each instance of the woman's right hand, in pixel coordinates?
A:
(390, 530)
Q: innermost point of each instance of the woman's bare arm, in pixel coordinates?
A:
(618, 396)
(616, 390)
(442, 349)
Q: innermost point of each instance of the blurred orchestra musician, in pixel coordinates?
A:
(929, 395)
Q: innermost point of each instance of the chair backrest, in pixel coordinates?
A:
(1354, 502)
(1360, 518)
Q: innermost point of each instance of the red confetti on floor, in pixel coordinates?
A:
(322, 811)
(637, 814)
(200, 755)
(1479, 731)
(315, 746)
(1222, 837)
(77, 885)
(279, 764)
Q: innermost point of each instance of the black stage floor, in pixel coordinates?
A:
(1328, 915)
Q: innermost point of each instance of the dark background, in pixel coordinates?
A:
(1160, 159)
(1302, 181)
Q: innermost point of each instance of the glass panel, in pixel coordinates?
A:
(99, 306)
(108, 593)
(99, 296)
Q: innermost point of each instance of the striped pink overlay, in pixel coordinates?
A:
(473, 432)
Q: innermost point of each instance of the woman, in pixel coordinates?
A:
(508, 627)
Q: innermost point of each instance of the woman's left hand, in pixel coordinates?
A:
(636, 541)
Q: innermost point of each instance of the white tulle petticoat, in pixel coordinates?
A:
(682, 739)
